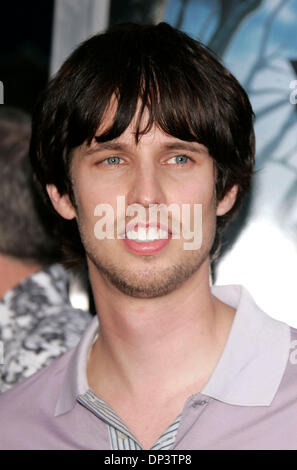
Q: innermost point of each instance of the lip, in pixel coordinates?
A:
(146, 248)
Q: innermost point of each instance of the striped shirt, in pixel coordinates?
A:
(120, 436)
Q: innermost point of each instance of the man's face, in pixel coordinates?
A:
(159, 169)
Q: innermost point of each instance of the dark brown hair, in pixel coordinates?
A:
(189, 94)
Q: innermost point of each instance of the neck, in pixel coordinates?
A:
(175, 340)
(13, 271)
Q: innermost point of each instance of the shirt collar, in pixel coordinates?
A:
(248, 372)
(75, 381)
(255, 355)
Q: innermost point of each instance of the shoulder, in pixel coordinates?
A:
(32, 402)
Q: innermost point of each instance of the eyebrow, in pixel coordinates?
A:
(116, 146)
(98, 147)
(190, 146)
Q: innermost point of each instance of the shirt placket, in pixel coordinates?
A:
(118, 431)
(194, 407)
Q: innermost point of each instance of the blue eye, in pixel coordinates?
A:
(180, 159)
(113, 160)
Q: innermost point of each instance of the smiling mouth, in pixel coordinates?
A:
(147, 234)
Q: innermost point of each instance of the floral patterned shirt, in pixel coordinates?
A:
(37, 324)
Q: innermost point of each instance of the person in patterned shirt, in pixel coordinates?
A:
(37, 321)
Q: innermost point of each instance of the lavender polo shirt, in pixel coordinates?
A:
(249, 402)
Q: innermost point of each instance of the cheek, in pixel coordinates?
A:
(88, 201)
(199, 191)
(88, 193)
(85, 200)
(204, 194)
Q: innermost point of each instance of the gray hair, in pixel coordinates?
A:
(24, 233)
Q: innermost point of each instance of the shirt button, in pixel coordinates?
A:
(199, 403)
(122, 435)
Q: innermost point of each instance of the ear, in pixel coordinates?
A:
(62, 204)
(226, 204)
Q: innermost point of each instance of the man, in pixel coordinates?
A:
(37, 321)
(146, 114)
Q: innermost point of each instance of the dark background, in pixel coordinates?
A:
(25, 45)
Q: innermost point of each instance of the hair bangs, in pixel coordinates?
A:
(175, 113)
(153, 80)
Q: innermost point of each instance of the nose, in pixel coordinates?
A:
(146, 185)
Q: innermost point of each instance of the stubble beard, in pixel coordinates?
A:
(148, 284)
(149, 281)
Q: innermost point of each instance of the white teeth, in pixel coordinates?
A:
(163, 233)
(152, 233)
(143, 235)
